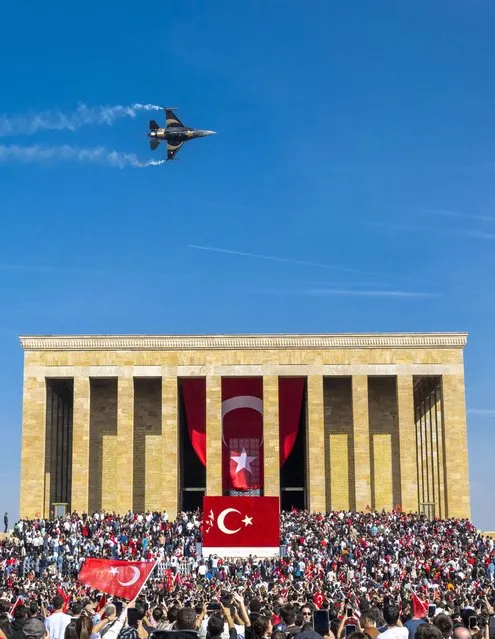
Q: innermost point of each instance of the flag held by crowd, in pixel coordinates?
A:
(420, 608)
(65, 597)
(122, 579)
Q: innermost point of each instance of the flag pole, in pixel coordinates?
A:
(126, 607)
(147, 577)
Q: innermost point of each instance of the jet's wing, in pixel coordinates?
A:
(172, 120)
(173, 149)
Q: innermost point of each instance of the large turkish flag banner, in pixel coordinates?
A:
(242, 433)
(248, 524)
(120, 578)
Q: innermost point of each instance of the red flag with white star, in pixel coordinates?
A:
(246, 524)
(242, 433)
(122, 579)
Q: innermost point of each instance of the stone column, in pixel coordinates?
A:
(124, 454)
(32, 495)
(338, 471)
(214, 435)
(271, 436)
(80, 445)
(407, 443)
(361, 431)
(317, 498)
(170, 446)
(50, 418)
(455, 446)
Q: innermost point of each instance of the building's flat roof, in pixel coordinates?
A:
(241, 342)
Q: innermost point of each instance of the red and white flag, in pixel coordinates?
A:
(420, 608)
(242, 433)
(239, 526)
(242, 419)
(102, 603)
(18, 602)
(65, 597)
(115, 577)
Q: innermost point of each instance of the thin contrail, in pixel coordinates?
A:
(332, 267)
(66, 153)
(343, 292)
(274, 258)
(464, 233)
(466, 216)
(323, 292)
(57, 120)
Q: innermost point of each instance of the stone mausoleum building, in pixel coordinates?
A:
(326, 422)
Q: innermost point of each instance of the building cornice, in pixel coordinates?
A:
(241, 342)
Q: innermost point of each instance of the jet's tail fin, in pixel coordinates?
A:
(154, 144)
(153, 125)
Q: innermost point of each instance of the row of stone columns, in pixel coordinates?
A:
(162, 487)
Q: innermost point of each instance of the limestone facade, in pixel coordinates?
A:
(384, 419)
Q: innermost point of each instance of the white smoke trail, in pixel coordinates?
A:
(67, 153)
(56, 120)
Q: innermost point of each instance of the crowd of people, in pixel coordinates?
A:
(339, 575)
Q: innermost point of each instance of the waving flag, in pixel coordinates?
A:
(420, 608)
(120, 578)
(18, 602)
(65, 597)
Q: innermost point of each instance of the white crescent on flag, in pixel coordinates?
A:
(242, 401)
(221, 521)
(137, 574)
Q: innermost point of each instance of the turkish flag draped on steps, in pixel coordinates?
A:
(242, 433)
(241, 522)
(120, 578)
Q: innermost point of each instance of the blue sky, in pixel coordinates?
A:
(355, 140)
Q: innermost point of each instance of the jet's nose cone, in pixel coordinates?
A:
(210, 132)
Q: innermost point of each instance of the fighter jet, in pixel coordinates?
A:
(175, 134)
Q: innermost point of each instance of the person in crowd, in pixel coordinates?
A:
(445, 624)
(34, 628)
(5, 625)
(419, 616)
(76, 608)
(134, 628)
(369, 620)
(21, 614)
(58, 621)
(371, 562)
(395, 629)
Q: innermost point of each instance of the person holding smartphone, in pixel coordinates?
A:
(349, 623)
(368, 623)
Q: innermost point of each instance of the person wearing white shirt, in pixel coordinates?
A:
(58, 621)
(394, 630)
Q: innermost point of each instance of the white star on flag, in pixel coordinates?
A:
(113, 570)
(243, 461)
(247, 521)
